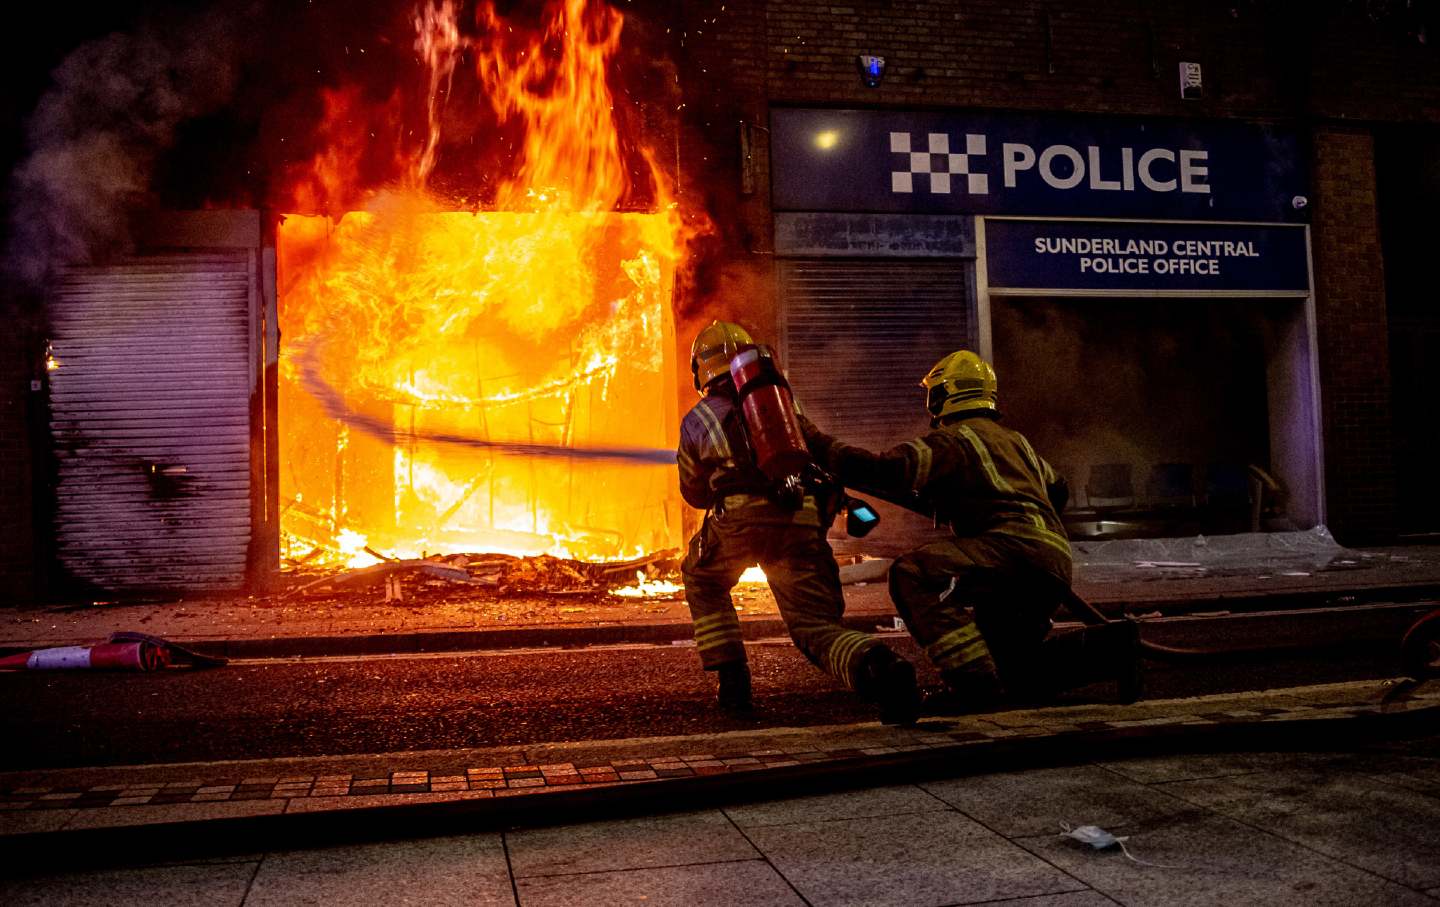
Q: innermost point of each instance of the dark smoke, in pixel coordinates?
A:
(94, 138)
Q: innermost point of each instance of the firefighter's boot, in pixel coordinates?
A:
(888, 680)
(1124, 645)
(1106, 652)
(964, 692)
(734, 695)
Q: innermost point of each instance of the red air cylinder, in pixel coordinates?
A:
(769, 411)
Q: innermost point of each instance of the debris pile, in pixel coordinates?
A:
(500, 574)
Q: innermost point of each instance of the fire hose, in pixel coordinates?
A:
(781, 453)
(333, 402)
(768, 408)
(1419, 649)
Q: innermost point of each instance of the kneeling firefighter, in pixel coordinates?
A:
(981, 603)
(743, 460)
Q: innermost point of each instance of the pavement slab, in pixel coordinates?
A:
(468, 870)
(1085, 898)
(1354, 819)
(1197, 766)
(876, 801)
(208, 885)
(672, 840)
(1420, 773)
(1212, 860)
(913, 860)
(751, 883)
(1039, 800)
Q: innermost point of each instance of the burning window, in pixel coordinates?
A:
(484, 377)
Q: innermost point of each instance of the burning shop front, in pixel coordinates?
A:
(451, 334)
(1142, 287)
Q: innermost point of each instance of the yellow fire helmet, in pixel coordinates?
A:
(713, 349)
(961, 382)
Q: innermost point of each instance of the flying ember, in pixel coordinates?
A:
(430, 348)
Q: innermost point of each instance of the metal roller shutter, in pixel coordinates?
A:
(150, 419)
(858, 336)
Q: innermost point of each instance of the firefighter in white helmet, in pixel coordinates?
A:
(980, 603)
(744, 524)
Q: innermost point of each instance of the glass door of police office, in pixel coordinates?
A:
(1174, 406)
(857, 335)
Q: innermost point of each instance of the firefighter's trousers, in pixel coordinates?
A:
(803, 576)
(969, 604)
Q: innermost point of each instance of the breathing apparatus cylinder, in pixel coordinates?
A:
(768, 408)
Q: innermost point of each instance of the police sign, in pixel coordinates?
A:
(1118, 255)
(934, 163)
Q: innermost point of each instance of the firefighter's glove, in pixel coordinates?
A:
(789, 492)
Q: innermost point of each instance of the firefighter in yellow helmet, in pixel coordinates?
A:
(746, 524)
(980, 603)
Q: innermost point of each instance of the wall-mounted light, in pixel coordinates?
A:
(827, 139)
(872, 70)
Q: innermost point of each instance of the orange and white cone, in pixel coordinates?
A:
(105, 656)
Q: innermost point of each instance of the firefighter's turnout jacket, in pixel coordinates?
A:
(988, 484)
(743, 526)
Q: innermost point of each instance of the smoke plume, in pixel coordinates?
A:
(97, 132)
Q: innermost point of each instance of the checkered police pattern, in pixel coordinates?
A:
(939, 163)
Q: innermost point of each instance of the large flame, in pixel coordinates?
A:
(543, 319)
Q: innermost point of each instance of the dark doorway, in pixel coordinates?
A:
(1169, 416)
(1408, 172)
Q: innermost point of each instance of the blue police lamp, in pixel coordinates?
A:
(872, 70)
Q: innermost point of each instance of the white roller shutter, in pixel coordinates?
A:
(150, 418)
(858, 336)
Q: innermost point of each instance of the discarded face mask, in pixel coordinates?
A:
(1100, 839)
(1093, 835)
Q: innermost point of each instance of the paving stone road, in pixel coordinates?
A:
(390, 704)
(1355, 827)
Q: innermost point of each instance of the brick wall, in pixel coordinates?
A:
(1321, 68)
(1353, 336)
(1261, 59)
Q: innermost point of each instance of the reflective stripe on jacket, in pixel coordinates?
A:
(717, 471)
(981, 478)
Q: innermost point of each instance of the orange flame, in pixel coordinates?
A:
(566, 97)
(543, 319)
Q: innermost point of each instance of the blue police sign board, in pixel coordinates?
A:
(1100, 255)
(1063, 166)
